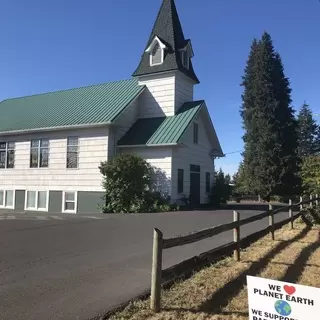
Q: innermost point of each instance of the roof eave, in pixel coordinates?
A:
(149, 145)
(36, 130)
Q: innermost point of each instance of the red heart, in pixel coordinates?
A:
(289, 289)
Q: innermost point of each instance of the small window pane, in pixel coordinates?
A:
(156, 54)
(2, 146)
(72, 141)
(34, 143)
(195, 133)
(44, 157)
(1, 197)
(2, 159)
(9, 198)
(31, 199)
(42, 199)
(70, 196)
(11, 145)
(180, 180)
(69, 206)
(72, 157)
(34, 158)
(10, 159)
(208, 182)
(44, 143)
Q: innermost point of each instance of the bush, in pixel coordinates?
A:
(129, 186)
(221, 190)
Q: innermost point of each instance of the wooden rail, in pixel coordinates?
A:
(159, 244)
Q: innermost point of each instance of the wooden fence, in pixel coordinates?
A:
(160, 244)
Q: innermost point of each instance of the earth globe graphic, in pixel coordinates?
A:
(283, 308)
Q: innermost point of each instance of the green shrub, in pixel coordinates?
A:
(221, 190)
(129, 186)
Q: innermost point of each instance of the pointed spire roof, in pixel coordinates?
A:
(169, 30)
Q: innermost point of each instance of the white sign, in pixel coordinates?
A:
(270, 299)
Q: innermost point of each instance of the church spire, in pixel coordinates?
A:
(167, 48)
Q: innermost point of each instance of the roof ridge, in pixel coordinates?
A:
(64, 90)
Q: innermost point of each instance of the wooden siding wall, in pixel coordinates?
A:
(183, 90)
(93, 148)
(191, 153)
(160, 158)
(164, 94)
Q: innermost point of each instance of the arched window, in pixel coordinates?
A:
(156, 55)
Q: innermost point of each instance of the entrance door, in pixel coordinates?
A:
(195, 189)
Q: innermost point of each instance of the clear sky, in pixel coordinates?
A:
(60, 44)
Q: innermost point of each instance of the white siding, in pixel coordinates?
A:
(158, 99)
(165, 94)
(183, 90)
(93, 148)
(161, 159)
(191, 153)
(125, 121)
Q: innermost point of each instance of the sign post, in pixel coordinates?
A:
(277, 300)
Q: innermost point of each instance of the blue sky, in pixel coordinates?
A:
(53, 45)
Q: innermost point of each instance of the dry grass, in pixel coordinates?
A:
(219, 291)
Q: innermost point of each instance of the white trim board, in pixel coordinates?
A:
(75, 202)
(36, 201)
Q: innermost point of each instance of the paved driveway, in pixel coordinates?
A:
(76, 268)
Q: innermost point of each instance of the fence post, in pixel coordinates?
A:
(271, 221)
(236, 236)
(290, 214)
(155, 303)
(317, 201)
(311, 204)
(301, 205)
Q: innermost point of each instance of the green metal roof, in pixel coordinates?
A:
(96, 104)
(161, 131)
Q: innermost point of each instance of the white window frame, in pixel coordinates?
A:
(46, 209)
(72, 145)
(3, 206)
(39, 147)
(150, 48)
(75, 201)
(6, 150)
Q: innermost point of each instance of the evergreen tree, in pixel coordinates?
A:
(308, 133)
(270, 157)
(221, 189)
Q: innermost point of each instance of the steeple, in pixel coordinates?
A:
(167, 48)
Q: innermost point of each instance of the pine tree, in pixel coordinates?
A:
(308, 130)
(270, 157)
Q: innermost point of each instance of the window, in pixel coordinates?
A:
(185, 59)
(7, 199)
(156, 56)
(37, 200)
(208, 182)
(72, 152)
(180, 180)
(39, 153)
(7, 155)
(69, 201)
(195, 133)
(195, 168)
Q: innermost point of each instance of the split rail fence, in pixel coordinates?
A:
(160, 244)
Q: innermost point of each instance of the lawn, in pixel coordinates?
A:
(219, 291)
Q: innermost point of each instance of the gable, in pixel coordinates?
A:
(207, 134)
(161, 130)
